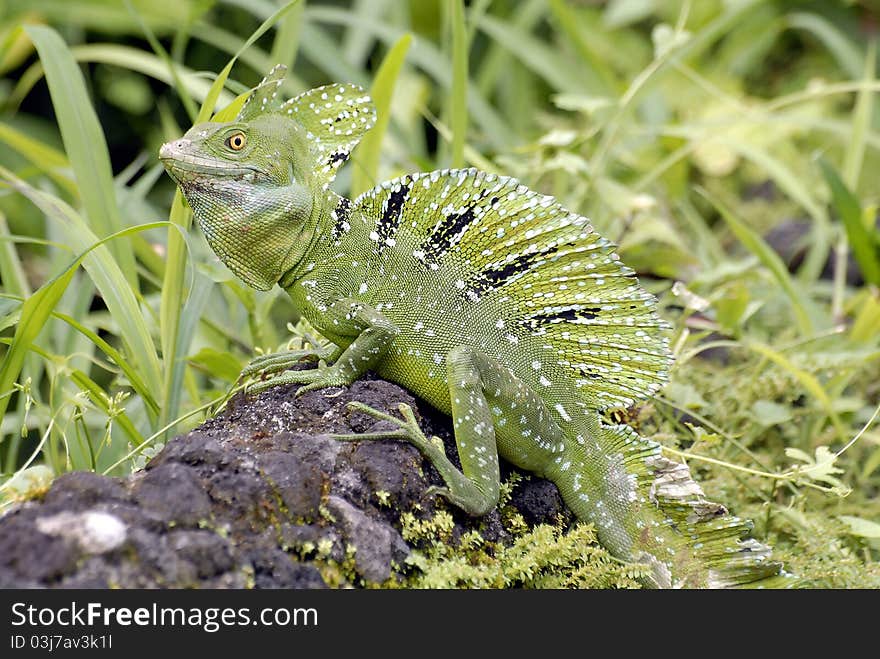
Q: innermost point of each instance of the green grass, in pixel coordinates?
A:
(687, 131)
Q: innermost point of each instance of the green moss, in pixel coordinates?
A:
(545, 557)
(821, 552)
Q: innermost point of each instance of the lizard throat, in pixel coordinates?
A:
(313, 233)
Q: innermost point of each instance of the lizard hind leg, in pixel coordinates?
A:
(474, 497)
(483, 395)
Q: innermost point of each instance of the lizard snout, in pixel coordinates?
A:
(174, 149)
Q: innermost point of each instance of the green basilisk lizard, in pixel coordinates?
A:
(490, 301)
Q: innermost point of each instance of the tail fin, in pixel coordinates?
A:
(648, 508)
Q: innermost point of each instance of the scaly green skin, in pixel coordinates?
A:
(490, 301)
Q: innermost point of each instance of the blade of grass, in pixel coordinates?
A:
(492, 66)
(115, 356)
(457, 108)
(423, 54)
(104, 272)
(868, 257)
(860, 239)
(838, 44)
(808, 380)
(286, 42)
(99, 399)
(707, 244)
(765, 254)
(567, 20)
(34, 314)
(170, 303)
(537, 55)
(163, 55)
(357, 44)
(50, 161)
(231, 111)
(127, 57)
(794, 187)
(11, 271)
(866, 325)
(228, 42)
(191, 316)
(322, 49)
(118, 358)
(84, 142)
(864, 109)
(368, 152)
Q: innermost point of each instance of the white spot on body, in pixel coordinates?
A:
(562, 412)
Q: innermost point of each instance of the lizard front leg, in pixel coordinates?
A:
(484, 395)
(372, 333)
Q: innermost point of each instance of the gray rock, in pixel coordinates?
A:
(258, 496)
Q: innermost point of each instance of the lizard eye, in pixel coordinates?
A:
(235, 141)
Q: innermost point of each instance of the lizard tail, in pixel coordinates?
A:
(648, 508)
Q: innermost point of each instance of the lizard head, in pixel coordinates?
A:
(256, 185)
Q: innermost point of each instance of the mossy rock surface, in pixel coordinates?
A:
(260, 496)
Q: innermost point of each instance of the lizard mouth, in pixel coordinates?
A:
(177, 159)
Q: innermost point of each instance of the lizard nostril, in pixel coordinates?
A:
(169, 149)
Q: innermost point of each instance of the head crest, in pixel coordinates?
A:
(264, 98)
(334, 116)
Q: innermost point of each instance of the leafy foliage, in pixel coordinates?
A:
(729, 148)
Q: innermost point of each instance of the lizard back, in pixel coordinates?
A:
(510, 272)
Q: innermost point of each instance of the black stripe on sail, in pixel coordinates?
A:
(567, 314)
(342, 211)
(496, 277)
(390, 220)
(448, 232)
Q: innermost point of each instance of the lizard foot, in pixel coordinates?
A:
(408, 428)
(275, 362)
(458, 487)
(314, 378)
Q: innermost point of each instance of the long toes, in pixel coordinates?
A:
(253, 368)
(311, 386)
(379, 415)
(269, 369)
(258, 387)
(278, 361)
(258, 362)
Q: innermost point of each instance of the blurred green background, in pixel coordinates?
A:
(729, 147)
